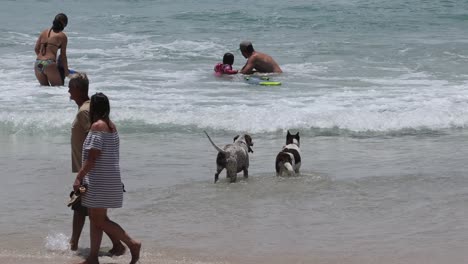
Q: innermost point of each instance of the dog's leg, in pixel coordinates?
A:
(297, 167)
(246, 172)
(283, 171)
(278, 168)
(231, 169)
(233, 177)
(218, 171)
(231, 173)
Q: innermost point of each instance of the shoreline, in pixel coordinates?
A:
(431, 257)
(152, 253)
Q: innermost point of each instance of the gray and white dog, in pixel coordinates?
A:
(288, 160)
(234, 157)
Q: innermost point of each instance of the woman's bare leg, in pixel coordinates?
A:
(132, 244)
(79, 218)
(99, 215)
(117, 248)
(96, 238)
(53, 75)
(42, 78)
(95, 235)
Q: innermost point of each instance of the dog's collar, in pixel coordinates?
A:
(248, 147)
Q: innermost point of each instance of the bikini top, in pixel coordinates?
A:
(43, 51)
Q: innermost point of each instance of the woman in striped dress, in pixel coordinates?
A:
(101, 173)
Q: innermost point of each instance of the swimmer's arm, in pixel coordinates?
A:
(248, 67)
(230, 71)
(63, 55)
(37, 47)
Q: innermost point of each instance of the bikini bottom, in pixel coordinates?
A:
(41, 65)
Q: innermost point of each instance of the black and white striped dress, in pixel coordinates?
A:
(104, 182)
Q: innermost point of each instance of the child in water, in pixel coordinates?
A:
(226, 66)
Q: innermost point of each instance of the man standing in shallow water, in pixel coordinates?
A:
(257, 61)
(78, 90)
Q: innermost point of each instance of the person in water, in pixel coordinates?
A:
(257, 61)
(48, 44)
(226, 66)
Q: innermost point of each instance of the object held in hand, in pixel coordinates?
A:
(75, 197)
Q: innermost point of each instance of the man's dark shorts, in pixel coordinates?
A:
(80, 208)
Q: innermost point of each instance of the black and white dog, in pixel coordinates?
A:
(288, 161)
(234, 157)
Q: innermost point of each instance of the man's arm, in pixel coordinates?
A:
(249, 66)
(83, 121)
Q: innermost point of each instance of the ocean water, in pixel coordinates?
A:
(377, 89)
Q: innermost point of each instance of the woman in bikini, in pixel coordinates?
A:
(47, 45)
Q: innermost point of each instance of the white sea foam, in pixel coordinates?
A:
(190, 98)
(57, 242)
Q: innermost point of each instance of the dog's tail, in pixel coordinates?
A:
(214, 145)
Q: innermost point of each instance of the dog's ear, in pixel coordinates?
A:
(248, 140)
(289, 138)
(236, 137)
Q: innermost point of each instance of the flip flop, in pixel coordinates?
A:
(74, 198)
